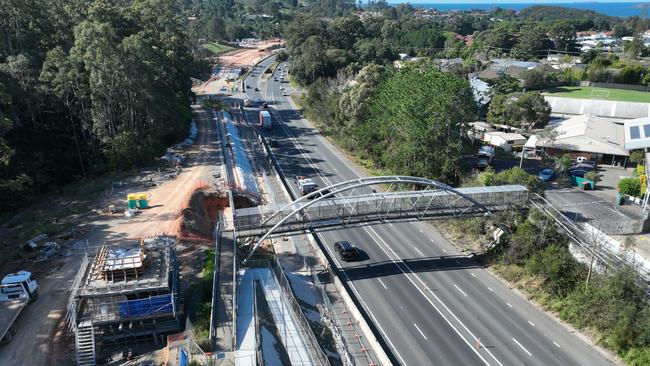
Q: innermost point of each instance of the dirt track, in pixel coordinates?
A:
(33, 344)
(243, 57)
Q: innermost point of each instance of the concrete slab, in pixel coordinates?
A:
(598, 211)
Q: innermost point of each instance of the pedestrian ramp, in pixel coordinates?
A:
(286, 321)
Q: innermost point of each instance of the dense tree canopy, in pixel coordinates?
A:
(522, 110)
(417, 123)
(87, 86)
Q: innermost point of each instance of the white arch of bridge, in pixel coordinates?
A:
(334, 189)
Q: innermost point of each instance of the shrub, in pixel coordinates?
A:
(593, 176)
(637, 157)
(511, 176)
(558, 269)
(630, 186)
(637, 357)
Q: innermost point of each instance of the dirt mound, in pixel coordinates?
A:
(197, 220)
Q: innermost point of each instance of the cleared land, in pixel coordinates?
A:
(217, 48)
(588, 92)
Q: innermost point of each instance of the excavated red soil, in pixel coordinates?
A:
(198, 219)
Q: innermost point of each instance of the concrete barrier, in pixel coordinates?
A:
(370, 332)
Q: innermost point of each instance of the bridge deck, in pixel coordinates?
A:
(341, 210)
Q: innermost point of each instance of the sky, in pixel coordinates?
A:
(497, 2)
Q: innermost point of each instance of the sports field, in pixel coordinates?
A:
(588, 92)
(217, 48)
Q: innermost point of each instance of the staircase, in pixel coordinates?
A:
(85, 344)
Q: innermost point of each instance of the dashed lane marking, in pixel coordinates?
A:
(522, 347)
(461, 291)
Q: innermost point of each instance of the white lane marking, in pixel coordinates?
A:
(418, 288)
(418, 328)
(354, 289)
(382, 283)
(473, 275)
(531, 323)
(490, 288)
(417, 250)
(556, 345)
(421, 231)
(522, 347)
(431, 240)
(461, 291)
(509, 304)
(444, 250)
(390, 223)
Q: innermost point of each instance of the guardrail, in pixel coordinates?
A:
(71, 314)
(370, 332)
(316, 350)
(215, 287)
(312, 342)
(235, 262)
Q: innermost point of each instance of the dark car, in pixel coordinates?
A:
(265, 105)
(257, 89)
(346, 250)
(578, 173)
(585, 165)
(274, 142)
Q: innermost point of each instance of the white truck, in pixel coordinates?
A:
(16, 291)
(485, 156)
(305, 185)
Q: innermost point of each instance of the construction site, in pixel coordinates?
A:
(126, 293)
(134, 285)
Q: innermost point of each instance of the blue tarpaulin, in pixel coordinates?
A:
(153, 305)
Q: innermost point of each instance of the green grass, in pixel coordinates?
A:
(585, 92)
(217, 48)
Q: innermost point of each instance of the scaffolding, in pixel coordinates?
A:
(127, 292)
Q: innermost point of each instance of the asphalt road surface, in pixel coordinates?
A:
(432, 305)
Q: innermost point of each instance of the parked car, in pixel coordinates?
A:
(346, 250)
(248, 86)
(257, 89)
(274, 142)
(578, 173)
(546, 175)
(581, 166)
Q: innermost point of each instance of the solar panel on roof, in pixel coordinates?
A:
(635, 133)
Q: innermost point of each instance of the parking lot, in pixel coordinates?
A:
(597, 207)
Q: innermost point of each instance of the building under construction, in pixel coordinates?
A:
(125, 293)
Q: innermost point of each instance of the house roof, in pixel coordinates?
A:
(508, 136)
(586, 133)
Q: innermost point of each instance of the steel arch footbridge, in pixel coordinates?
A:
(375, 200)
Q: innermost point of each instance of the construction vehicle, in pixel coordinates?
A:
(16, 291)
(265, 120)
(485, 156)
(305, 185)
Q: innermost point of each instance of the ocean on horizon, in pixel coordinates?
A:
(611, 9)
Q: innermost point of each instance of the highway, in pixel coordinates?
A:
(432, 305)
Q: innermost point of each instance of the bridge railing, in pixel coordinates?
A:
(379, 207)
